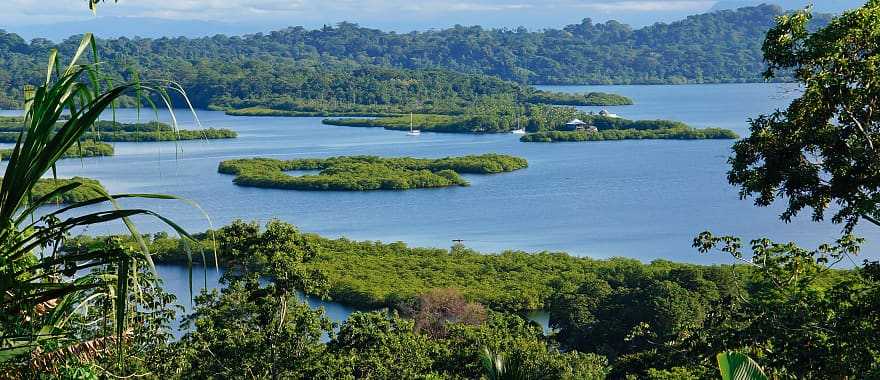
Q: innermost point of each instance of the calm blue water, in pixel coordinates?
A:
(639, 199)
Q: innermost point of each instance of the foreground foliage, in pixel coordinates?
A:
(263, 330)
(366, 172)
(831, 133)
(660, 320)
(62, 310)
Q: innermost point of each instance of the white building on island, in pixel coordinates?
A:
(579, 125)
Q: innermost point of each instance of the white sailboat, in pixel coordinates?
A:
(519, 130)
(412, 132)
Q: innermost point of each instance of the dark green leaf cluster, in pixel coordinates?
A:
(366, 172)
(822, 149)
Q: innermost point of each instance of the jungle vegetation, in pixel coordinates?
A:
(69, 307)
(322, 65)
(366, 172)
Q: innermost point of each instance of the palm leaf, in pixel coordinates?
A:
(738, 366)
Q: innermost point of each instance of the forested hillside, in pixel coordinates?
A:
(349, 63)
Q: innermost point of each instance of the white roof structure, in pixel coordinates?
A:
(576, 122)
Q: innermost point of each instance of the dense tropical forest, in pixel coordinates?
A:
(351, 64)
(619, 317)
(361, 173)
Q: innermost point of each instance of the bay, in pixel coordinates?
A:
(639, 199)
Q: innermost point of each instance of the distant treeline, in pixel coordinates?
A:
(360, 173)
(88, 148)
(678, 133)
(112, 131)
(545, 124)
(341, 64)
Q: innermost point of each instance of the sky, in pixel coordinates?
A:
(33, 18)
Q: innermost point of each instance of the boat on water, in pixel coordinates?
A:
(519, 130)
(412, 132)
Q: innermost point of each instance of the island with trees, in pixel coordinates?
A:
(89, 189)
(114, 131)
(678, 133)
(543, 122)
(380, 92)
(360, 173)
(87, 148)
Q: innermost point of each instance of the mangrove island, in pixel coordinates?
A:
(360, 173)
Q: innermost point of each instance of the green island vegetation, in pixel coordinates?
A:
(546, 123)
(453, 98)
(90, 308)
(90, 189)
(361, 173)
(588, 99)
(87, 148)
(319, 64)
(631, 134)
(113, 131)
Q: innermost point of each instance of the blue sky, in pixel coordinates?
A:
(401, 15)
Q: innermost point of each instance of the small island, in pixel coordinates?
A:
(90, 189)
(677, 133)
(361, 173)
(88, 148)
(113, 131)
(587, 99)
